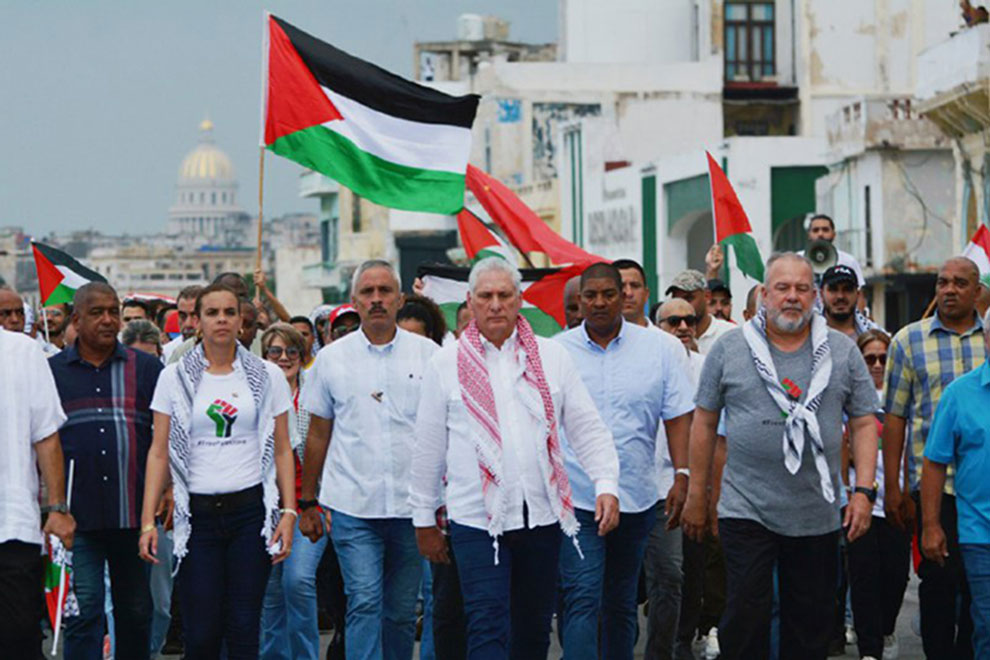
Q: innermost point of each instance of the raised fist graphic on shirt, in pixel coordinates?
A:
(223, 415)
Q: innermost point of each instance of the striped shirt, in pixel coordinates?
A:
(924, 357)
(108, 433)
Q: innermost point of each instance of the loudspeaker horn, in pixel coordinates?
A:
(822, 255)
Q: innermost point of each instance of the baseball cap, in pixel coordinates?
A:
(340, 311)
(839, 273)
(718, 285)
(688, 280)
(172, 324)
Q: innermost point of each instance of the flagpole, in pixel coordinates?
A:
(61, 572)
(261, 200)
(45, 320)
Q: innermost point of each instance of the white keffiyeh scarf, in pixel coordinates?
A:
(801, 419)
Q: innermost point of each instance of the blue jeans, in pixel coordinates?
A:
(976, 560)
(129, 590)
(222, 582)
(289, 628)
(426, 648)
(161, 591)
(601, 588)
(381, 567)
(509, 605)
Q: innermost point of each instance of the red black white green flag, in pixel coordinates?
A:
(59, 275)
(393, 141)
(479, 241)
(732, 228)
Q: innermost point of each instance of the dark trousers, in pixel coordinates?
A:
(129, 588)
(807, 574)
(222, 582)
(331, 598)
(20, 585)
(509, 605)
(703, 590)
(946, 624)
(449, 621)
(879, 562)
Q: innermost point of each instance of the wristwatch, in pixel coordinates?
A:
(302, 505)
(61, 507)
(871, 493)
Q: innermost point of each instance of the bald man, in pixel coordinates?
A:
(573, 314)
(11, 310)
(677, 316)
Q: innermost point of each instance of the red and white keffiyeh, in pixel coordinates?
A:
(479, 399)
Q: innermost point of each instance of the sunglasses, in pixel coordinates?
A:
(674, 321)
(275, 352)
(871, 360)
(342, 330)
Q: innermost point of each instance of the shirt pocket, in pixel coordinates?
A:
(409, 390)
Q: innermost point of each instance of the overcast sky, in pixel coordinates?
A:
(101, 99)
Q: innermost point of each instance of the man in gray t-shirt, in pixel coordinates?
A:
(781, 489)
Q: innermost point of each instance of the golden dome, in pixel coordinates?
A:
(206, 162)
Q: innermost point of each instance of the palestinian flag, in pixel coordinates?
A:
(978, 251)
(57, 560)
(397, 143)
(478, 240)
(448, 287)
(732, 228)
(59, 275)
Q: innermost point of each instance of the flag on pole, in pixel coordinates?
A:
(448, 287)
(57, 560)
(59, 275)
(732, 228)
(395, 142)
(978, 251)
(479, 241)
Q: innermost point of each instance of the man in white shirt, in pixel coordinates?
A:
(822, 228)
(188, 321)
(640, 381)
(488, 420)
(635, 293)
(691, 286)
(29, 441)
(362, 395)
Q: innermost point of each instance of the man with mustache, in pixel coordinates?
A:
(924, 357)
(840, 295)
(362, 395)
(690, 285)
(784, 380)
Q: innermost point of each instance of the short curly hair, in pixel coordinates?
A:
(286, 333)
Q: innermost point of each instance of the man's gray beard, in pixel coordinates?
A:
(786, 326)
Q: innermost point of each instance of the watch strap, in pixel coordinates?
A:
(306, 504)
(61, 507)
(871, 493)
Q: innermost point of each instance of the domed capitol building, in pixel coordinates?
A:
(205, 207)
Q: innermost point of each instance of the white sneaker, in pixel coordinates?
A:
(851, 637)
(869, 657)
(711, 645)
(891, 648)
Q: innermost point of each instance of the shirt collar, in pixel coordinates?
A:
(985, 374)
(380, 348)
(937, 325)
(617, 340)
(72, 353)
(508, 343)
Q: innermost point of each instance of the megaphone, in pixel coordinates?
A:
(822, 255)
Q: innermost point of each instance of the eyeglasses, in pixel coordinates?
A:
(16, 311)
(275, 352)
(674, 321)
(342, 330)
(871, 360)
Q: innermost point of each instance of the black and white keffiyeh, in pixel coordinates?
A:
(190, 372)
(801, 420)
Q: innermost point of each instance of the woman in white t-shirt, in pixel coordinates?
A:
(879, 560)
(221, 425)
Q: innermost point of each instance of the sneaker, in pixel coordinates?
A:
(711, 645)
(869, 657)
(851, 637)
(891, 648)
(106, 648)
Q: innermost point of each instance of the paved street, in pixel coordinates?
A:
(910, 643)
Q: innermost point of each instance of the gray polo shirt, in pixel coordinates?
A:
(755, 484)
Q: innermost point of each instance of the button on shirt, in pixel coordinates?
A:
(371, 393)
(31, 413)
(923, 358)
(445, 440)
(642, 378)
(960, 436)
(108, 433)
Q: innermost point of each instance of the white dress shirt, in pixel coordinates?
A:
(445, 442)
(31, 413)
(715, 329)
(371, 393)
